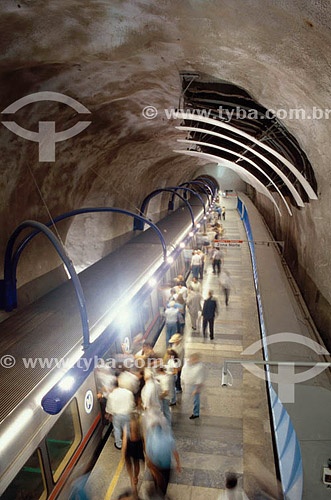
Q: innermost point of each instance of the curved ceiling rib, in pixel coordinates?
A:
(305, 184)
(247, 176)
(188, 141)
(281, 174)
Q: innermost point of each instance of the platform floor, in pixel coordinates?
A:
(233, 431)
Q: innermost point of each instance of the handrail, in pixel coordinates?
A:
(202, 186)
(11, 262)
(71, 270)
(186, 189)
(140, 226)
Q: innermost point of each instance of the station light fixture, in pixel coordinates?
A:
(152, 282)
(170, 260)
(198, 226)
(191, 234)
(182, 245)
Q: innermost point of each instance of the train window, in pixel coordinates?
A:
(146, 313)
(30, 481)
(63, 439)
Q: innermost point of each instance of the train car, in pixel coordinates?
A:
(40, 454)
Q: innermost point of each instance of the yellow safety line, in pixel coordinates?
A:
(114, 480)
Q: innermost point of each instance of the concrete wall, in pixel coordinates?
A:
(118, 57)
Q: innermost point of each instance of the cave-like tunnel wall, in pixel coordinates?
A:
(116, 57)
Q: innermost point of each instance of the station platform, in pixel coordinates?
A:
(233, 432)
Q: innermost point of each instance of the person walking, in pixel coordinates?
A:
(120, 404)
(209, 311)
(194, 307)
(166, 385)
(177, 344)
(202, 263)
(171, 365)
(226, 284)
(159, 449)
(171, 319)
(195, 265)
(223, 212)
(150, 393)
(193, 377)
(133, 450)
(195, 285)
(218, 259)
(232, 490)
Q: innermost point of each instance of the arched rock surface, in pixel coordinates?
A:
(116, 57)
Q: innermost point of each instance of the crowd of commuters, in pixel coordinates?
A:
(139, 400)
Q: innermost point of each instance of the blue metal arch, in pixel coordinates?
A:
(10, 265)
(183, 187)
(211, 184)
(138, 225)
(62, 253)
(202, 185)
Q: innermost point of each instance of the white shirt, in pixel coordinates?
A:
(193, 374)
(150, 394)
(181, 291)
(196, 260)
(165, 382)
(129, 381)
(120, 402)
(196, 287)
(171, 315)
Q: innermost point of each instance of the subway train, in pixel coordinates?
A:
(42, 453)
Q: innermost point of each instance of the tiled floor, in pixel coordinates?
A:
(233, 426)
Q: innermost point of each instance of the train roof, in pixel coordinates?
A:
(51, 327)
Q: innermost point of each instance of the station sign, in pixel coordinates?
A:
(228, 243)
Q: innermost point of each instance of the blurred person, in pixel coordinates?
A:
(177, 345)
(223, 212)
(202, 263)
(194, 307)
(232, 490)
(218, 259)
(150, 393)
(171, 365)
(181, 290)
(195, 265)
(146, 351)
(193, 377)
(171, 319)
(180, 280)
(165, 381)
(106, 381)
(180, 306)
(133, 450)
(77, 490)
(159, 449)
(205, 240)
(129, 380)
(209, 311)
(226, 284)
(195, 285)
(120, 404)
(127, 495)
